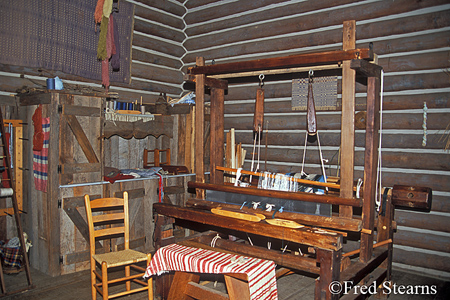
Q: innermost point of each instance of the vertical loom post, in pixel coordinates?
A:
(348, 121)
(217, 139)
(370, 165)
(199, 127)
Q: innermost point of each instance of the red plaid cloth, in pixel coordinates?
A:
(261, 273)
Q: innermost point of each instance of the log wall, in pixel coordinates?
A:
(411, 39)
(156, 57)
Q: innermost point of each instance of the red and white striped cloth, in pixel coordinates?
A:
(261, 273)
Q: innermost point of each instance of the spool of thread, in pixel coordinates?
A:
(5, 192)
(50, 83)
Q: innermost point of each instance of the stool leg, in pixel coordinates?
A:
(178, 287)
(237, 289)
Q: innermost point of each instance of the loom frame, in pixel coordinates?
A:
(356, 65)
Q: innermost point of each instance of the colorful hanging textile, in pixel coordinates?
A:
(40, 159)
(324, 90)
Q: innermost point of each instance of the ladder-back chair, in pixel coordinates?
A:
(107, 220)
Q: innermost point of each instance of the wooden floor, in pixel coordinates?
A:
(76, 286)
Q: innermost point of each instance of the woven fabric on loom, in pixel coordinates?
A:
(61, 36)
(40, 159)
(261, 273)
(324, 92)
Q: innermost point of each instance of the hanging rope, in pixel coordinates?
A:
(379, 172)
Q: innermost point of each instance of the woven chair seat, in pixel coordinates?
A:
(119, 258)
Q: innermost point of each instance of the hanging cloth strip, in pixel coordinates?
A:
(161, 188)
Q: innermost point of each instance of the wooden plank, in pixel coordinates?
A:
(154, 58)
(385, 229)
(71, 168)
(332, 121)
(154, 29)
(370, 165)
(162, 125)
(399, 141)
(422, 240)
(359, 270)
(283, 62)
(209, 82)
(167, 76)
(422, 220)
(237, 289)
(285, 259)
(348, 120)
(330, 262)
(422, 259)
(78, 110)
(299, 196)
(232, 43)
(198, 291)
(337, 223)
(51, 228)
(217, 138)
(82, 138)
(421, 161)
(199, 126)
(303, 236)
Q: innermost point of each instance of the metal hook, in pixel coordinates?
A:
(261, 78)
(310, 75)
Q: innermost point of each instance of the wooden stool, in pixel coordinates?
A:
(186, 285)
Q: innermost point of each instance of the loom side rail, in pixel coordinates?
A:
(300, 196)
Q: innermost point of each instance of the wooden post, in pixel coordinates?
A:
(199, 127)
(348, 121)
(370, 165)
(385, 230)
(217, 134)
(330, 265)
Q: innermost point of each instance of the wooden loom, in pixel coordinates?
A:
(323, 235)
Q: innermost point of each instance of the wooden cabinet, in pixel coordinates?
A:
(56, 221)
(75, 156)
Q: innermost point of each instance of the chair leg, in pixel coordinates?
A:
(93, 281)
(127, 274)
(105, 281)
(150, 280)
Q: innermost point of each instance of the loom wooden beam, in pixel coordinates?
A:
(330, 266)
(209, 82)
(309, 197)
(370, 165)
(348, 121)
(335, 223)
(385, 228)
(366, 68)
(304, 235)
(286, 259)
(357, 271)
(309, 59)
(199, 126)
(216, 134)
(412, 197)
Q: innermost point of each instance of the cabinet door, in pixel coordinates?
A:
(81, 142)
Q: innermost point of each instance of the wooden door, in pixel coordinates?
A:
(81, 145)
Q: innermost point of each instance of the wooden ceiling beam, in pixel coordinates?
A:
(299, 60)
